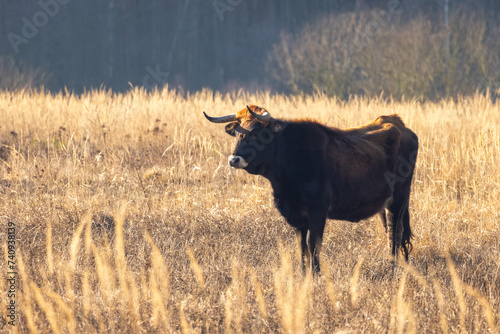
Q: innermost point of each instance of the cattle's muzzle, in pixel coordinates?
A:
(237, 161)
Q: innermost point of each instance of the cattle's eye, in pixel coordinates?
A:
(231, 128)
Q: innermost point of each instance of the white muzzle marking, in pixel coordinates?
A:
(237, 161)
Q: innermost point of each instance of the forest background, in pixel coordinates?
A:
(429, 49)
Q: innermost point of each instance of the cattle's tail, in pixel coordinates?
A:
(406, 246)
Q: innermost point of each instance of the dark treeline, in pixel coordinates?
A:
(222, 44)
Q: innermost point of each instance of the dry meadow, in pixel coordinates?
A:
(129, 220)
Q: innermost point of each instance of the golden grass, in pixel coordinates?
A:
(128, 219)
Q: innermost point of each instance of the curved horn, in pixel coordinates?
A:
(221, 119)
(264, 118)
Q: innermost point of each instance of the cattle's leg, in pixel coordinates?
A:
(317, 222)
(301, 234)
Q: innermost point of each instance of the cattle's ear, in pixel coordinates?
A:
(231, 128)
(277, 125)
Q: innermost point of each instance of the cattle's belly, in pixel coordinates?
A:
(359, 212)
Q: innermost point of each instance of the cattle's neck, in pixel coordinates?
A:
(294, 154)
(275, 167)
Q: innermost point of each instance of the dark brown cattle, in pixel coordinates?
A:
(319, 172)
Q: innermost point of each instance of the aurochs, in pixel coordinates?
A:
(319, 172)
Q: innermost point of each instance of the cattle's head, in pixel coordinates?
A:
(255, 130)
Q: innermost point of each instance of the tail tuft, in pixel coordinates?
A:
(406, 245)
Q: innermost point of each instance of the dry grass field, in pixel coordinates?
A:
(129, 220)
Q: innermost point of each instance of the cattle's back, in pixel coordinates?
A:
(360, 158)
